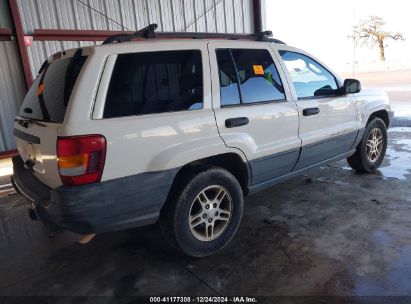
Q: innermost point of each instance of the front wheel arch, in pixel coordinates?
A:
(382, 114)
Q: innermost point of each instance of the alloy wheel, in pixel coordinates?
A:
(375, 144)
(210, 213)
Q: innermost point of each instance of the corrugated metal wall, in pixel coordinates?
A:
(226, 16)
(11, 92)
(233, 16)
(41, 50)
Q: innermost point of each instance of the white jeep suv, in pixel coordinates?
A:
(144, 128)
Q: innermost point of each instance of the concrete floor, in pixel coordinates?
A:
(332, 232)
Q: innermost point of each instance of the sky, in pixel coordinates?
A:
(322, 27)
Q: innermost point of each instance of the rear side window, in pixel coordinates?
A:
(155, 82)
(259, 79)
(310, 78)
(229, 93)
(248, 76)
(49, 95)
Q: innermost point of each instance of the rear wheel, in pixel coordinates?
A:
(204, 214)
(371, 150)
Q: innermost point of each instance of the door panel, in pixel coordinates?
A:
(270, 138)
(329, 133)
(328, 120)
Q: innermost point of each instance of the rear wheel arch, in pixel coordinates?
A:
(231, 162)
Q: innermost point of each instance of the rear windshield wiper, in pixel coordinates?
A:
(27, 121)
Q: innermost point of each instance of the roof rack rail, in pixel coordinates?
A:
(149, 32)
(146, 32)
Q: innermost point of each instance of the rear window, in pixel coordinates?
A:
(48, 97)
(155, 82)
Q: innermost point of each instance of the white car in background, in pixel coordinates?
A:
(179, 130)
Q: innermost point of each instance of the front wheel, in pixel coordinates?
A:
(371, 150)
(205, 213)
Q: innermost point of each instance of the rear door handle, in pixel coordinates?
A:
(311, 111)
(236, 122)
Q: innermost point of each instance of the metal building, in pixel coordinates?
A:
(32, 30)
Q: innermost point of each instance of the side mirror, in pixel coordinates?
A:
(351, 86)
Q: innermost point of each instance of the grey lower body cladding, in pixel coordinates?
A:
(326, 149)
(112, 205)
(137, 200)
(272, 166)
(276, 168)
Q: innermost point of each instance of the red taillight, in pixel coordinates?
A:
(81, 159)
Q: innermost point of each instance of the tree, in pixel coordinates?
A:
(371, 32)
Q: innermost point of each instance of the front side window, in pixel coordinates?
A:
(310, 78)
(155, 82)
(248, 76)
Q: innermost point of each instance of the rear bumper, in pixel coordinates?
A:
(117, 204)
(36, 193)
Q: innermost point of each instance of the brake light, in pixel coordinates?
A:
(81, 159)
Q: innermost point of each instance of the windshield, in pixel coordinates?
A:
(48, 97)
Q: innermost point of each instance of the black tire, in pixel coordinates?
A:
(175, 216)
(360, 161)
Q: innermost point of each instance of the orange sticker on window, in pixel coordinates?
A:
(258, 69)
(40, 89)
